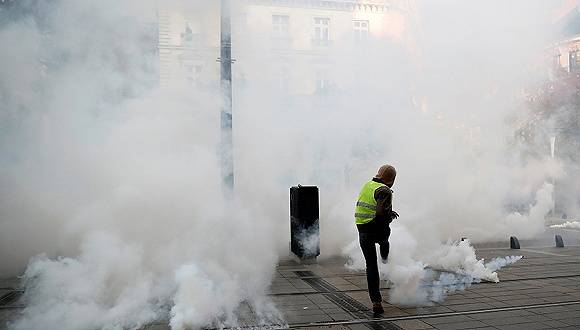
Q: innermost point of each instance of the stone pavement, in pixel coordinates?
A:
(541, 291)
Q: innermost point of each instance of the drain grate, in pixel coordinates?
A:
(10, 297)
(346, 302)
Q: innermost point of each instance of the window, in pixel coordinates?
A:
(280, 26)
(573, 60)
(321, 30)
(361, 30)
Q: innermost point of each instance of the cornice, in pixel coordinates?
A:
(340, 5)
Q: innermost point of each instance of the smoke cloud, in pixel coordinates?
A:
(419, 277)
(110, 201)
(568, 224)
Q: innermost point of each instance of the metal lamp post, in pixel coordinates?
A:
(226, 145)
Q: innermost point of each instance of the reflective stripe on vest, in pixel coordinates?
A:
(366, 205)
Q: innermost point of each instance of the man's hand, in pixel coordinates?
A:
(394, 215)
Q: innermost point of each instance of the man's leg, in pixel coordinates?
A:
(367, 244)
(384, 245)
(384, 249)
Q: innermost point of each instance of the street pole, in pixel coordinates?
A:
(553, 154)
(227, 147)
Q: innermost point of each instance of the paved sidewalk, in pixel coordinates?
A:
(541, 291)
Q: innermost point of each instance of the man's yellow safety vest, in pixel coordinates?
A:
(366, 206)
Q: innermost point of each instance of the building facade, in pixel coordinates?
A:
(290, 45)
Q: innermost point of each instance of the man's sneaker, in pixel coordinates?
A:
(378, 308)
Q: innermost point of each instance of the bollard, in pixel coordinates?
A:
(514, 243)
(559, 241)
(304, 226)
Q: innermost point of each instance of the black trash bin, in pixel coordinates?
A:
(304, 227)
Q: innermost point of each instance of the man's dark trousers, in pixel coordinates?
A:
(367, 244)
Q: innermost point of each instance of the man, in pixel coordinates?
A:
(373, 214)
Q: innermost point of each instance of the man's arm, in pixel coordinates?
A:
(384, 198)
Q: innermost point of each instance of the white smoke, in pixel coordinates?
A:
(116, 179)
(309, 241)
(450, 281)
(498, 263)
(420, 279)
(460, 258)
(99, 289)
(534, 222)
(221, 297)
(568, 224)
